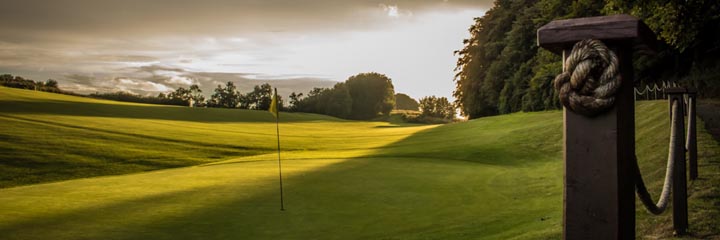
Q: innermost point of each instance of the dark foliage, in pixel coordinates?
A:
(50, 85)
(405, 102)
(437, 107)
(363, 96)
(130, 97)
(501, 70)
(372, 94)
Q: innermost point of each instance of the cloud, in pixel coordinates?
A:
(132, 85)
(157, 68)
(124, 58)
(80, 79)
(133, 18)
(394, 11)
(154, 79)
(148, 46)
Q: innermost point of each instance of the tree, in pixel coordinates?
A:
(501, 70)
(678, 23)
(372, 94)
(130, 97)
(295, 99)
(311, 103)
(334, 101)
(259, 99)
(405, 102)
(51, 83)
(499, 61)
(363, 96)
(196, 96)
(226, 97)
(181, 94)
(338, 101)
(437, 107)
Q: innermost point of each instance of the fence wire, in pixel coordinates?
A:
(653, 92)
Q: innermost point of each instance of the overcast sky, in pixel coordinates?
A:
(155, 46)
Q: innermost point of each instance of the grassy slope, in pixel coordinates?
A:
(496, 178)
(54, 137)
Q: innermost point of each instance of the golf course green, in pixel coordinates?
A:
(81, 168)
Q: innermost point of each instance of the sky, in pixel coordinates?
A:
(147, 47)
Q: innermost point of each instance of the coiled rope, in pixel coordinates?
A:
(587, 86)
(589, 79)
(675, 142)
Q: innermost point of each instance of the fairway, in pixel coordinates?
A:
(79, 168)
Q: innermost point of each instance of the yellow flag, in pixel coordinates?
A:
(273, 105)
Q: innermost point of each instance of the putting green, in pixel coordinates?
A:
(215, 173)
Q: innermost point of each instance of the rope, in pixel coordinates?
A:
(589, 79)
(639, 92)
(640, 188)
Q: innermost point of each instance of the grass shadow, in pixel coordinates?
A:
(147, 111)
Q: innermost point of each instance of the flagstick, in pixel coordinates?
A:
(277, 127)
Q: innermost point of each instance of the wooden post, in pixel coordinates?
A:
(679, 190)
(599, 192)
(691, 143)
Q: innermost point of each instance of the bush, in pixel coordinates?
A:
(410, 116)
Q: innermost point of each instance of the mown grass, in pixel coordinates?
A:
(491, 178)
(50, 137)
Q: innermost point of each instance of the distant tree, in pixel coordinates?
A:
(312, 103)
(19, 82)
(295, 98)
(405, 102)
(338, 101)
(437, 107)
(226, 97)
(181, 94)
(6, 78)
(50, 83)
(372, 94)
(363, 96)
(196, 96)
(130, 97)
(259, 98)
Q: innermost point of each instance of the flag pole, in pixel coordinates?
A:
(277, 128)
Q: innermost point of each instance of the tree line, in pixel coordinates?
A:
(224, 96)
(501, 70)
(364, 96)
(50, 85)
(367, 96)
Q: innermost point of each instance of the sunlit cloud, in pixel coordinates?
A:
(132, 85)
(394, 12)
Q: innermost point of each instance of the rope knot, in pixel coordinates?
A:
(590, 78)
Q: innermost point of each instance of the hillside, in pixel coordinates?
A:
(492, 178)
(54, 137)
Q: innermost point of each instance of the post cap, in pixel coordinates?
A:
(675, 90)
(559, 35)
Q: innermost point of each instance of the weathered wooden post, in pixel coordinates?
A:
(679, 187)
(599, 192)
(691, 142)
